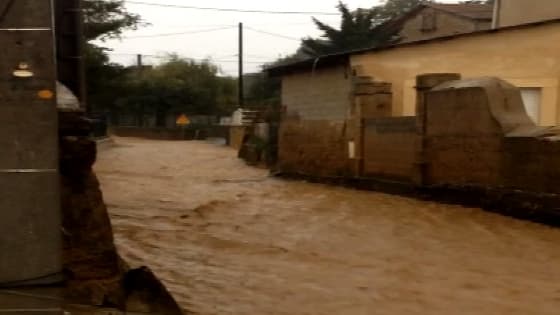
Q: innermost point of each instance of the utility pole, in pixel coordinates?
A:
(240, 80)
(139, 61)
(139, 66)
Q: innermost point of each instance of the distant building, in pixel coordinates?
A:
(516, 12)
(438, 19)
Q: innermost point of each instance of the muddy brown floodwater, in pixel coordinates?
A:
(228, 239)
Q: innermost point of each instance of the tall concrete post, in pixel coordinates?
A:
(370, 100)
(424, 83)
(30, 220)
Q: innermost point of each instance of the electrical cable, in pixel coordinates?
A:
(178, 33)
(229, 9)
(272, 34)
(187, 58)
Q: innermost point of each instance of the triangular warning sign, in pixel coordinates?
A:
(182, 120)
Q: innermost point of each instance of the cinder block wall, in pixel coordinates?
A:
(322, 94)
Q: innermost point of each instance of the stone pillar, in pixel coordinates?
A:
(370, 99)
(424, 83)
(30, 219)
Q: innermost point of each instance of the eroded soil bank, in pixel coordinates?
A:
(227, 239)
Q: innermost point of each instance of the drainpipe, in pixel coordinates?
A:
(315, 63)
(496, 16)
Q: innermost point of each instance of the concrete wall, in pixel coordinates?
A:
(502, 54)
(464, 141)
(531, 164)
(390, 148)
(478, 134)
(313, 147)
(323, 94)
(446, 24)
(472, 132)
(515, 12)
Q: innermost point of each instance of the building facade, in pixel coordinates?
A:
(517, 12)
(438, 19)
(526, 56)
(504, 54)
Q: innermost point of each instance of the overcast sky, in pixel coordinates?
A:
(221, 45)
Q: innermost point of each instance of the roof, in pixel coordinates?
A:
(339, 58)
(471, 11)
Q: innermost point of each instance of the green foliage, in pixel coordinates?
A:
(177, 86)
(105, 19)
(263, 91)
(104, 79)
(358, 29)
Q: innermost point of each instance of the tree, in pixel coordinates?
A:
(358, 29)
(178, 85)
(105, 19)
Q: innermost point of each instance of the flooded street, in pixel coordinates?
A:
(227, 239)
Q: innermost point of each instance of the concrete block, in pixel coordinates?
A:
(30, 219)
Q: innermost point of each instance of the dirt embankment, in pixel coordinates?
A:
(95, 273)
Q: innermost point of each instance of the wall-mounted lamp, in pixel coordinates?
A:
(23, 71)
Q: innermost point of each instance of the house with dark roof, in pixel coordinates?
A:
(524, 55)
(432, 20)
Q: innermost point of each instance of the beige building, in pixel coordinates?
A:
(441, 19)
(526, 56)
(516, 12)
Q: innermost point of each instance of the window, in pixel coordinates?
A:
(429, 23)
(532, 100)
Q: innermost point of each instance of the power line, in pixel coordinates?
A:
(187, 58)
(273, 34)
(178, 33)
(229, 9)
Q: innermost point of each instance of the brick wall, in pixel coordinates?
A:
(313, 147)
(323, 94)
